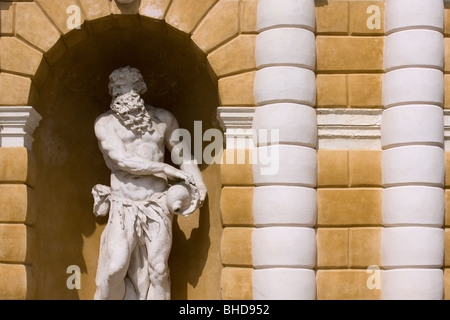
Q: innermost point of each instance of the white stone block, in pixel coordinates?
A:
(273, 13)
(237, 126)
(412, 284)
(418, 47)
(285, 164)
(413, 205)
(412, 247)
(284, 247)
(294, 123)
(17, 125)
(292, 46)
(285, 84)
(284, 284)
(412, 124)
(402, 14)
(284, 205)
(349, 129)
(413, 165)
(413, 86)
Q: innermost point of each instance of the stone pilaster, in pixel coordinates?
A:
(17, 214)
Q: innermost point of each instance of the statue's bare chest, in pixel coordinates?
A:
(148, 145)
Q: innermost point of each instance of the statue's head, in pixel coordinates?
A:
(126, 87)
(126, 80)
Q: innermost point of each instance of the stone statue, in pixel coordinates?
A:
(144, 194)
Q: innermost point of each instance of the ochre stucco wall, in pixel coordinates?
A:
(349, 190)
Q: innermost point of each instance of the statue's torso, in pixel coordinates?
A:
(150, 146)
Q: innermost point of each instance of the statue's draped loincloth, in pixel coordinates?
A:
(152, 210)
(144, 214)
(149, 221)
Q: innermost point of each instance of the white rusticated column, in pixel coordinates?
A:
(412, 138)
(285, 173)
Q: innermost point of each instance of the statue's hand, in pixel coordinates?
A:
(202, 190)
(176, 174)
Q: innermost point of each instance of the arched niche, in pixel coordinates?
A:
(74, 93)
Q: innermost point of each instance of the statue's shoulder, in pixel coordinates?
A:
(162, 114)
(105, 120)
(105, 117)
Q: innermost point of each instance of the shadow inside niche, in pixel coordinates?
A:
(189, 255)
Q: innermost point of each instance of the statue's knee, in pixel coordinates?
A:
(116, 271)
(160, 273)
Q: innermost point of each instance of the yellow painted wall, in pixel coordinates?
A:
(349, 191)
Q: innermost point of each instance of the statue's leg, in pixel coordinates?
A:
(137, 278)
(158, 256)
(117, 243)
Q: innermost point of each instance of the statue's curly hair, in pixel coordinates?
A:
(123, 80)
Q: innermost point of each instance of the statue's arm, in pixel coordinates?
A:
(112, 146)
(187, 165)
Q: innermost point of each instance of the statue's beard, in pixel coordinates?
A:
(130, 109)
